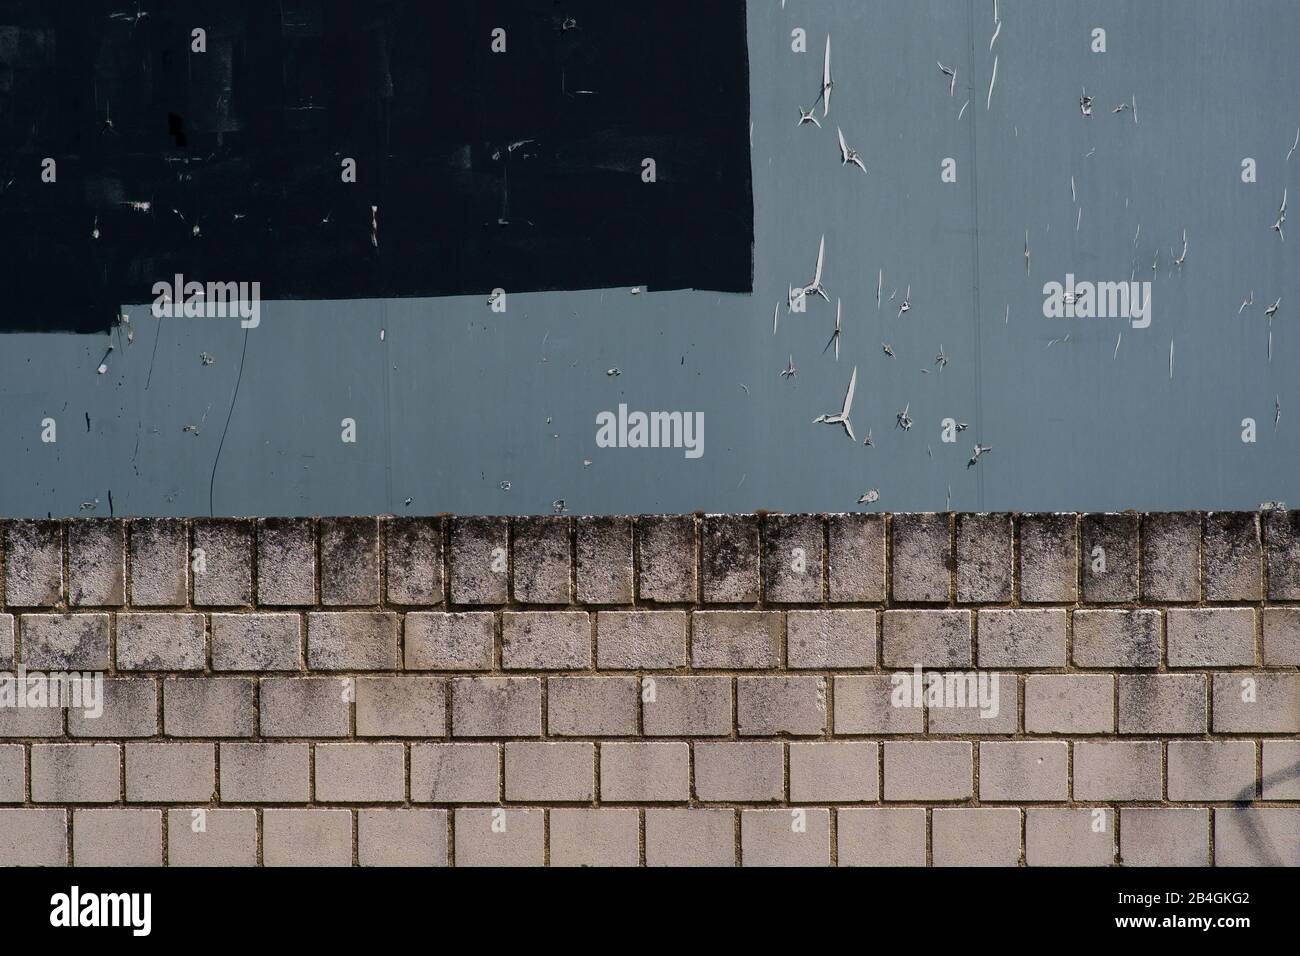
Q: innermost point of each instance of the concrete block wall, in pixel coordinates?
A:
(660, 690)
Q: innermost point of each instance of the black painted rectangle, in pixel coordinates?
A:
(238, 150)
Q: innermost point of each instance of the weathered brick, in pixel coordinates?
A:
(688, 707)
(792, 558)
(537, 771)
(170, 773)
(349, 561)
(928, 638)
(1211, 770)
(264, 773)
(542, 569)
(645, 772)
(840, 771)
(208, 707)
(161, 642)
(1280, 777)
(922, 557)
(33, 563)
(984, 555)
(590, 837)
(856, 557)
(1110, 557)
(13, 773)
(1281, 636)
(604, 549)
(224, 576)
(591, 706)
(679, 837)
(799, 837)
(480, 561)
(76, 773)
(1113, 770)
(497, 837)
(33, 837)
(414, 556)
(1067, 837)
(401, 707)
(774, 706)
(928, 770)
(740, 640)
(1164, 837)
(864, 705)
(455, 773)
(128, 708)
(65, 642)
(869, 836)
(6, 641)
(352, 640)
(31, 722)
(160, 564)
(1048, 558)
(111, 837)
(1161, 704)
(1171, 556)
(831, 639)
(402, 837)
(256, 642)
(1257, 837)
(305, 707)
(1021, 638)
(1210, 637)
(1282, 543)
(666, 547)
(360, 773)
(641, 640)
(286, 562)
(976, 836)
(1069, 704)
(1023, 770)
(560, 640)
(96, 563)
(1116, 638)
(449, 642)
(496, 707)
(307, 837)
(1234, 557)
(1273, 709)
(729, 554)
(740, 770)
(993, 708)
(223, 837)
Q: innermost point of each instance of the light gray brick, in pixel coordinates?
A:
(929, 638)
(1069, 704)
(770, 838)
(225, 576)
(864, 705)
(286, 562)
(449, 642)
(414, 555)
(666, 547)
(688, 707)
(604, 549)
(922, 557)
(1281, 770)
(870, 836)
(33, 837)
(1281, 636)
(856, 558)
(991, 706)
(559, 640)
(1234, 557)
(6, 641)
(496, 707)
(349, 561)
(31, 722)
(402, 837)
(307, 837)
(645, 772)
(161, 642)
(1210, 637)
(112, 837)
(360, 773)
(305, 707)
(170, 773)
(519, 840)
(1048, 558)
(159, 549)
(928, 770)
(1161, 704)
(76, 773)
(984, 557)
(538, 771)
(455, 773)
(679, 837)
(33, 563)
(208, 707)
(1110, 557)
(591, 706)
(1211, 770)
(1282, 543)
(264, 773)
(13, 773)
(542, 569)
(227, 837)
(96, 562)
(257, 642)
(352, 640)
(976, 836)
(730, 551)
(1114, 770)
(1116, 638)
(1023, 770)
(401, 707)
(1171, 556)
(1066, 837)
(739, 640)
(1164, 837)
(1257, 837)
(65, 642)
(591, 837)
(839, 771)
(792, 558)
(827, 640)
(781, 706)
(1021, 638)
(751, 770)
(641, 640)
(128, 708)
(1274, 710)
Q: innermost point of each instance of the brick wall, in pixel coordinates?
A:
(659, 690)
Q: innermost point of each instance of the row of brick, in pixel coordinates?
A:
(1240, 702)
(841, 771)
(813, 836)
(971, 558)
(656, 640)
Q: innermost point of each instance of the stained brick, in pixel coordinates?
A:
(730, 557)
(856, 558)
(1048, 558)
(349, 561)
(928, 638)
(641, 640)
(96, 563)
(792, 558)
(604, 549)
(414, 558)
(1110, 557)
(559, 640)
(224, 577)
(541, 561)
(984, 552)
(33, 563)
(738, 640)
(922, 557)
(831, 639)
(449, 642)
(286, 562)
(666, 546)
